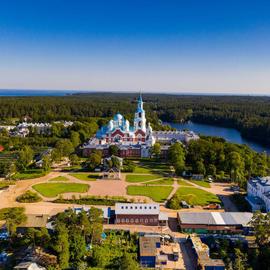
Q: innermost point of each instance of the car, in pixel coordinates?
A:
(184, 204)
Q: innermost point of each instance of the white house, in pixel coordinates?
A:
(258, 193)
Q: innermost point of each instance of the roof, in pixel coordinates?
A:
(35, 221)
(148, 245)
(137, 208)
(215, 218)
(28, 265)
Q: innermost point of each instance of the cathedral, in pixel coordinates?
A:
(133, 140)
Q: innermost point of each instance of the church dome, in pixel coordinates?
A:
(118, 117)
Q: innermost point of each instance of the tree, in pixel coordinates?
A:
(65, 147)
(61, 245)
(240, 262)
(26, 156)
(128, 262)
(176, 156)
(74, 159)
(14, 216)
(199, 167)
(261, 226)
(9, 169)
(212, 170)
(77, 245)
(94, 160)
(236, 165)
(113, 150)
(46, 163)
(156, 150)
(75, 138)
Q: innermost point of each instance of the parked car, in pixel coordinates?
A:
(213, 206)
(184, 204)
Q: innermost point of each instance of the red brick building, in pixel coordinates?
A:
(139, 213)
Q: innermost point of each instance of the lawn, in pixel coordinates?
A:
(4, 184)
(85, 176)
(137, 178)
(29, 174)
(163, 181)
(53, 189)
(151, 166)
(182, 182)
(59, 179)
(156, 193)
(201, 183)
(196, 196)
(139, 169)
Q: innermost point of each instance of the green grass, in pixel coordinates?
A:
(139, 169)
(59, 179)
(29, 174)
(29, 197)
(85, 176)
(53, 189)
(201, 183)
(151, 166)
(156, 193)
(196, 196)
(182, 182)
(136, 178)
(163, 181)
(5, 184)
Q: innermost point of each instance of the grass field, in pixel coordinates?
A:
(29, 174)
(137, 178)
(139, 169)
(85, 176)
(201, 183)
(5, 184)
(182, 182)
(196, 196)
(156, 193)
(59, 179)
(53, 189)
(163, 181)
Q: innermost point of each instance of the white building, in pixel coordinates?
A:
(258, 193)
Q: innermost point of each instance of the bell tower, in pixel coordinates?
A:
(139, 119)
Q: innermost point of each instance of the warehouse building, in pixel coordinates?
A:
(215, 222)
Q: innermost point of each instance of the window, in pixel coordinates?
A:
(151, 220)
(122, 207)
(118, 220)
(150, 207)
(127, 220)
(140, 207)
(135, 207)
(123, 220)
(126, 207)
(146, 220)
(131, 207)
(141, 220)
(132, 220)
(155, 207)
(136, 220)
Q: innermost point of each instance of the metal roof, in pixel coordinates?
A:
(137, 208)
(215, 218)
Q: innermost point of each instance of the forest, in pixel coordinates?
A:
(248, 114)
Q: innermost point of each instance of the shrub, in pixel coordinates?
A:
(29, 197)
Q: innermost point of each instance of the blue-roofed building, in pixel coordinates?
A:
(133, 140)
(258, 193)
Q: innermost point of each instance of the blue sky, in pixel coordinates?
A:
(174, 45)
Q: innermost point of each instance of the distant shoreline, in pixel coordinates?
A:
(41, 92)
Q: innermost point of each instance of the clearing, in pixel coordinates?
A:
(53, 189)
(156, 193)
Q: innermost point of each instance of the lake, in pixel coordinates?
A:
(229, 134)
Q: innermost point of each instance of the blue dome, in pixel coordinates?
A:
(118, 117)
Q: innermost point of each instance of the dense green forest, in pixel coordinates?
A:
(250, 115)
